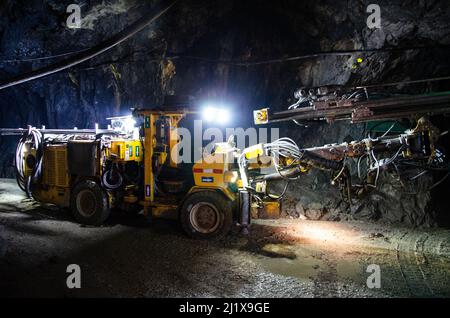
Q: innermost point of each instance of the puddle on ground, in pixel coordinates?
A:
(401, 274)
(351, 269)
(311, 261)
(305, 267)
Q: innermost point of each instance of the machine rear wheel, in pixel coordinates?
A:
(206, 215)
(89, 204)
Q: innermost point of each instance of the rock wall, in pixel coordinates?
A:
(186, 52)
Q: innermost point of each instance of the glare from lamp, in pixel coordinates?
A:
(224, 116)
(209, 113)
(319, 234)
(217, 115)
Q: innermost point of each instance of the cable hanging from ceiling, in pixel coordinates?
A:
(255, 63)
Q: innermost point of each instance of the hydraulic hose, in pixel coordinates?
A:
(282, 174)
(108, 176)
(33, 137)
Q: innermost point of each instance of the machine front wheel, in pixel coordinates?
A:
(206, 215)
(89, 204)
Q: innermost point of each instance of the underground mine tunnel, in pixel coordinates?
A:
(223, 148)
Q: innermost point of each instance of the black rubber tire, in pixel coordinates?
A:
(100, 208)
(224, 209)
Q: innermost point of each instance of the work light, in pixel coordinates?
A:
(214, 114)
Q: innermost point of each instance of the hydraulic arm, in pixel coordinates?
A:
(414, 148)
(357, 106)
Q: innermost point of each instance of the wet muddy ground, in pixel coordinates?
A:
(285, 258)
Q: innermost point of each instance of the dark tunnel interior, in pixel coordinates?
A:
(373, 91)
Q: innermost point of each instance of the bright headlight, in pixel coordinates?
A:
(216, 115)
(209, 114)
(223, 116)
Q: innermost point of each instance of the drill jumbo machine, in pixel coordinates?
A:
(132, 168)
(135, 166)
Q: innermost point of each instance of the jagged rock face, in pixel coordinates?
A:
(183, 53)
(313, 197)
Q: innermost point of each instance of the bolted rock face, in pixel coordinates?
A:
(184, 53)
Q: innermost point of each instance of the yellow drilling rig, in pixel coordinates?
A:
(134, 167)
(131, 168)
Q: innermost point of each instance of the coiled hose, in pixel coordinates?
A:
(109, 176)
(33, 137)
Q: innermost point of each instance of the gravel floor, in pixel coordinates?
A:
(286, 258)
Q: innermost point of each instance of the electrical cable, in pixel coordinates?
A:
(41, 58)
(440, 181)
(87, 54)
(340, 172)
(158, 60)
(312, 55)
(425, 80)
(378, 168)
(280, 196)
(388, 131)
(263, 62)
(418, 175)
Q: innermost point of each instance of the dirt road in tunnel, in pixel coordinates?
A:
(128, 257)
